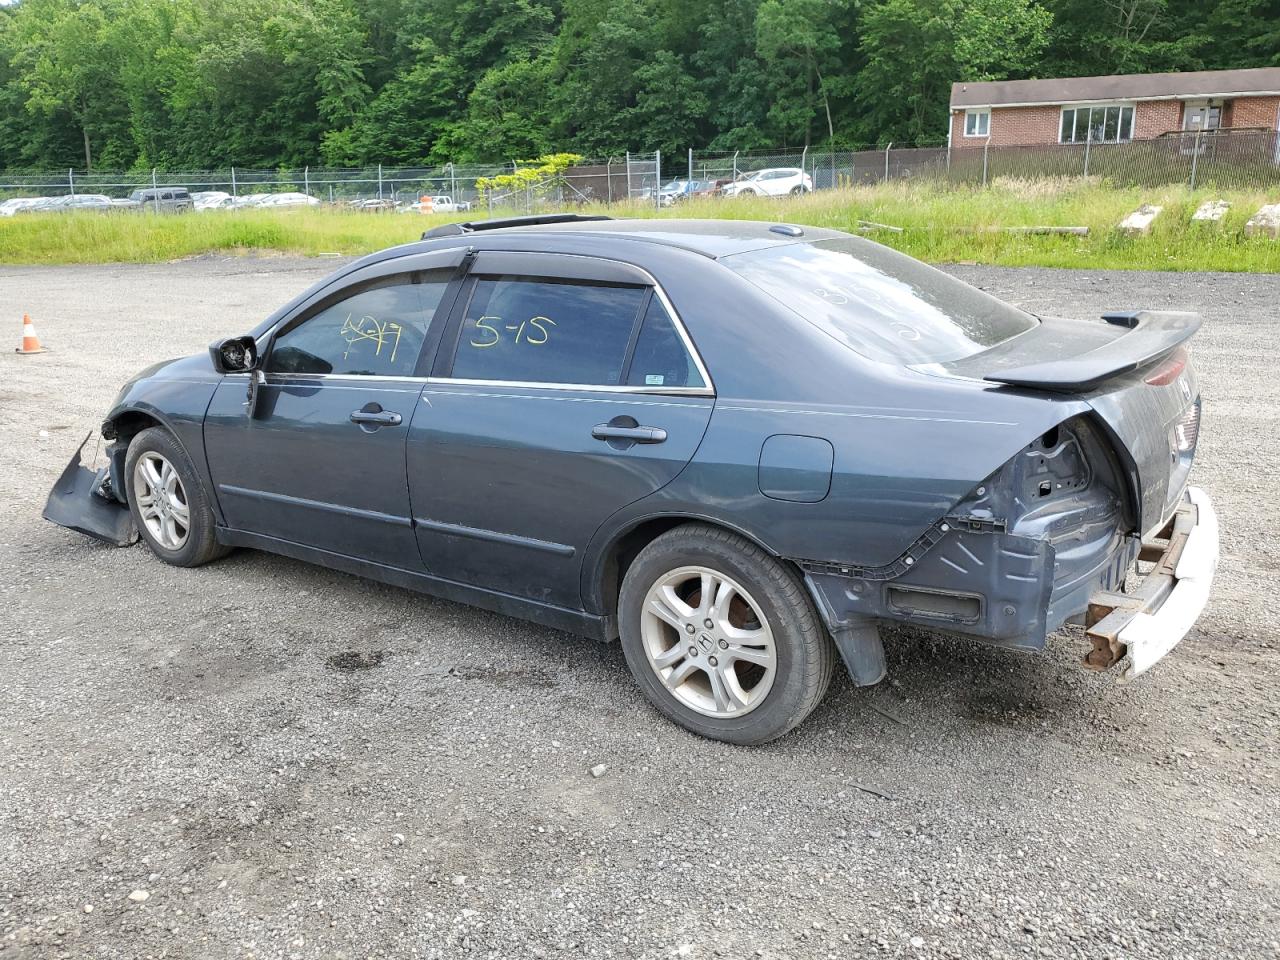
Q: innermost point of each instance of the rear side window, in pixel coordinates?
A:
(660, 358)
(546, 331)
(885, 305)
(378, 331)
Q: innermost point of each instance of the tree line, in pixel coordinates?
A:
(126, 84)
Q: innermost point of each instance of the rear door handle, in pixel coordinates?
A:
(605, 431)
(373, 414)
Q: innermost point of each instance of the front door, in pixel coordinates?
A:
(564, 390)
(322, 460)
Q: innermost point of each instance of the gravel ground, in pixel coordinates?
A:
(265, 759)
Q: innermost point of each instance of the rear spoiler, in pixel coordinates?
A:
(1152, 334)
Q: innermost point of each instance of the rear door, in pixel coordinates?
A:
(564, 390)
(322, 461)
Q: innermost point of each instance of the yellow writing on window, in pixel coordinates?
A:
(380, 332)
(532, 331)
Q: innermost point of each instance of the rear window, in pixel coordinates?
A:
(885, 305)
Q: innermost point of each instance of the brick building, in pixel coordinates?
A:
(1113, 109)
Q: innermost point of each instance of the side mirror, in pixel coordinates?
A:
(234, 355)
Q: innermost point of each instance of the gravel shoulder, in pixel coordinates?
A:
(291, 762)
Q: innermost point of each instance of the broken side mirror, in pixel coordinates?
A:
(234, 355)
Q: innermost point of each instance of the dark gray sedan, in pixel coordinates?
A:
(739, 447)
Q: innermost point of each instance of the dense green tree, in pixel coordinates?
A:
(916, 49)
(100, 84)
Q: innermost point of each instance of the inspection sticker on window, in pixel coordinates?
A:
(653, 379)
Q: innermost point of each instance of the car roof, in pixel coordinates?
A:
(710, 238)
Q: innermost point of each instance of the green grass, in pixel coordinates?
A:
(940, 224)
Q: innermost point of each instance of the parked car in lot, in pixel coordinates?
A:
(203, 200)
(773, 182)
(674, 191)
(162, 199)
(738, 447)
(14, 204)
(288, 199)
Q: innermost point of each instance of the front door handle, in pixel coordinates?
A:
(637, 434)
(372, 416)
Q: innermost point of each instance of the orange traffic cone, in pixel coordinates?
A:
(30, 342)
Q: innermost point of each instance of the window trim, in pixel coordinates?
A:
(568, 273)
(978, 112)
(1099, 105)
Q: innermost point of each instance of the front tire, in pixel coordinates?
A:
(169, 506)
(721, 637)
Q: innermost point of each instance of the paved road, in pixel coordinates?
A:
(291, 762)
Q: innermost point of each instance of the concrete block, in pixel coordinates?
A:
(1141, 219)
(1211, 212)
(1264, 223)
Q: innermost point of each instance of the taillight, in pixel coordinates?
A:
(1169, 370)
(1186, 432)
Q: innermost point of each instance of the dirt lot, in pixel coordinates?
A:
(290, 762)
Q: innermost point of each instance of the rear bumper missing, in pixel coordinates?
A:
(1151, 621)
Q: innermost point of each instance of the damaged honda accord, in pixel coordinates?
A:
(737, 447)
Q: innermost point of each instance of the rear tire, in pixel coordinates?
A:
(744, 667)
(168, 503)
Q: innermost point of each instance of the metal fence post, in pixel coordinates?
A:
(71, 181)
(735, 165)
(657, 179)
(155, 190)
(379, 181)
(1088, 143)
(608, 179)
(306, 180)
(886, 161)
(628, 162)
(233, 181)
(1195, 157)
(691, 164)
(453, 184)
(804, 157)
(986, 147)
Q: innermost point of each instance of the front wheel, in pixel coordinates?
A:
(721, 637)
(169, 506)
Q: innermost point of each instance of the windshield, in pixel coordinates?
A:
(883, 304)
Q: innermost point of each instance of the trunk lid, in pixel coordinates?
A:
(1132, 369)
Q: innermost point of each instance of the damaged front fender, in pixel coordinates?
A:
(84, 500)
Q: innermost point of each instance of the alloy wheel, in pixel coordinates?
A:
(708, 642)
(162, 501)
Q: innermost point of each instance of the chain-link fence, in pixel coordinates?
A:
(1241, 159)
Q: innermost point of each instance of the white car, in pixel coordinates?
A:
(211, 199)
(13, 205)
(288, 200)
(771, 182)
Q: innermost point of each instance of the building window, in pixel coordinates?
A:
(977, 123)
(1104, 123)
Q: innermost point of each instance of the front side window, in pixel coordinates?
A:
(977, 123)
(378, 331)
(880, 303)
(1106, 123)
(531, 330)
